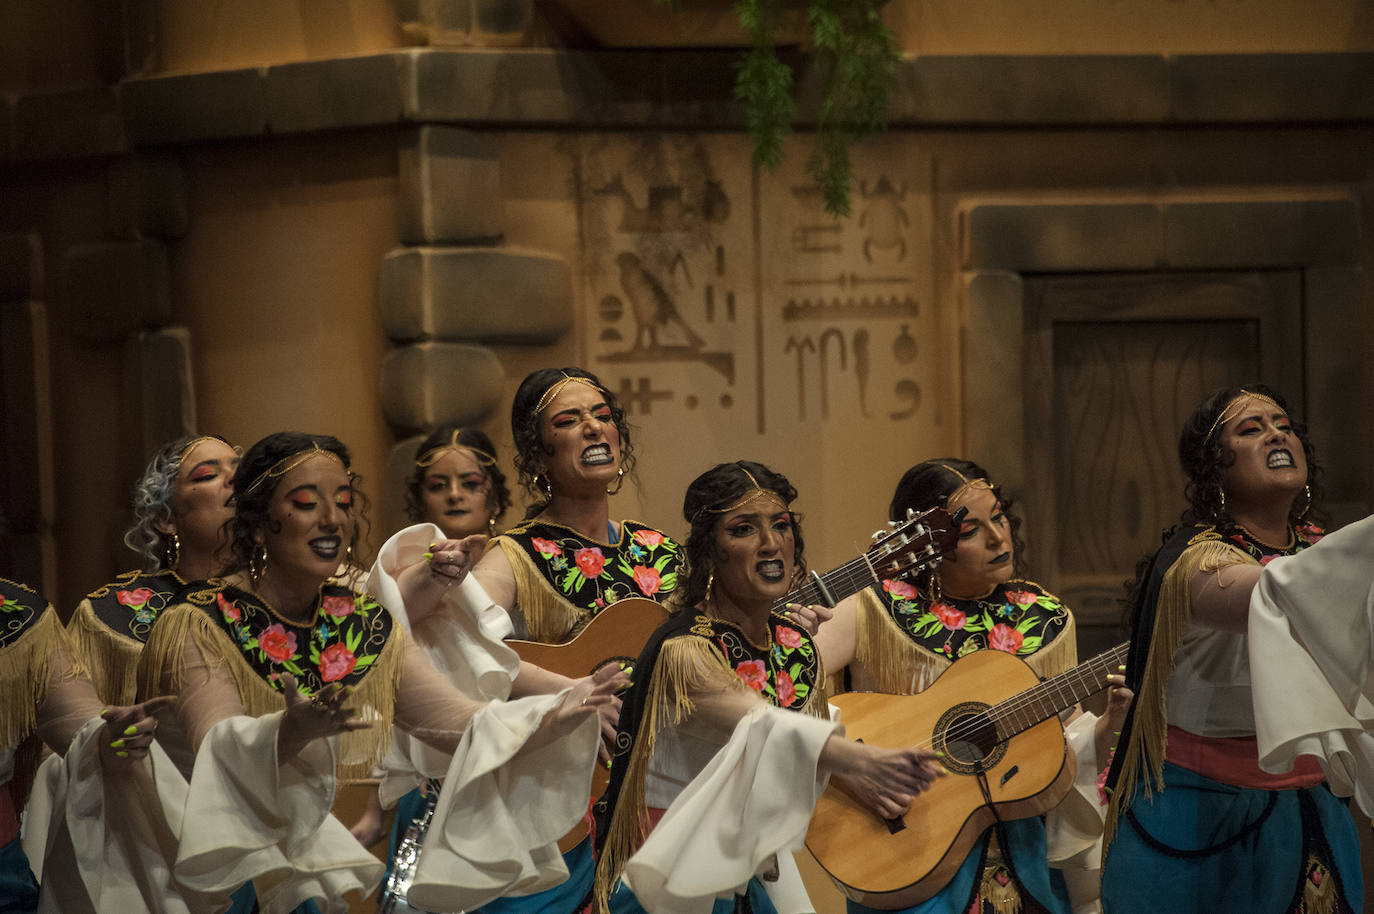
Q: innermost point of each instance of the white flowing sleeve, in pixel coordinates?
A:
(247, 817)
(751, 802)
(526, 792)
(1311, 633)
(1073, 828)
(463, 638)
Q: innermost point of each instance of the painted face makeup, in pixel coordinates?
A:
(1266, 458)
(201, 493)
(310, 520)
(984, 556)
(581, 441)
(455, 493)
(755, 552)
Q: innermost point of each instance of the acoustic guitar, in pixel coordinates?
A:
(1005, 752)
(619, 632)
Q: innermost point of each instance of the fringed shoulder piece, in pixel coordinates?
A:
(898, 665)
(31, 635)
(685, 665)
(111, 658)
(1142, 757)
(1057, 656)
(550, 617)
(353, 641)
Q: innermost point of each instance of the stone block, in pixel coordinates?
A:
(1061, 237)
(1262, 234)
(1284, 88)
(993, 404)
(340, 92)
(21, 267)
(399, 462)
(486, 23)
(450, 186)
(159, 388)
(1030, 89)
(428, 384)
(116, 288)
(195, 106)
(69, 124)
(147, 197)
(488, 295)
(1335, 323)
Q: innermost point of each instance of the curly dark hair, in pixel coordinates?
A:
(929, 484)
(530, 449)
(474, 439)
(710, 492)
(251, 507)
(1204, 461)
(152, 501)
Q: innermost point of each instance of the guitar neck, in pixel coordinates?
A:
(833, 586)
(1046, 699)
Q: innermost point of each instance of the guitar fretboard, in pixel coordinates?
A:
(844, 581)
(1046, 699)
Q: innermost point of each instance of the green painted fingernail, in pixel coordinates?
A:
(122, 754)
(131, 730)
(117, 744)
(1122, 668)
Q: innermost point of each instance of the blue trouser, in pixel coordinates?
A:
(623, 901)
(18, 888)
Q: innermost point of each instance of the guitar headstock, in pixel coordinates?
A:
(905, 547)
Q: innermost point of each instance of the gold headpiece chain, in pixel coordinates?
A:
(431, 456)
(968, 484)
(558, 385)
(754, 491)
(1236, 406)
(195, 443)
(290, 462)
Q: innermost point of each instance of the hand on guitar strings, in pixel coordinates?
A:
(1108, 727)
(809, 617)
(450, 560)
(597, 692)
(309, 717)
(129, 731)
(887, 780)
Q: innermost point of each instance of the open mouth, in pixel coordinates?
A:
(326, 547)
(1001, 559)
(770, 570)
(1280, 459)
(597, 455)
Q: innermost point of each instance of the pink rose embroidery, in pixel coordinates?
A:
(650, 538)
(134, 598)
(787, 690)
(950, 617)
(1005, 638)
(277, 643)
(1020, 597)
(1310, 532)
(589, 561)
(787, 637)
(336, 662)
(230, 612)
(338, 607)
(1266, 559)
(647, 580)
(753, 674)
(900, 589)
(546, 548)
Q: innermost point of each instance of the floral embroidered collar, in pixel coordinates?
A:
(1303, 535)
(20, 607)
(1019, 617)
(592, 575)
(340, 645)
(130, 605)
(784, 672)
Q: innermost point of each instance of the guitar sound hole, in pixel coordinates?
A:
(971, 738)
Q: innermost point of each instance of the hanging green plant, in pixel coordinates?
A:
(858, 55)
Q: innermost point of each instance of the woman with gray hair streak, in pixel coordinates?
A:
(180, 506)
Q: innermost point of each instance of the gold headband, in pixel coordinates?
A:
(195, 443)
(290, 462)
(969, 484)
(431, 456)
(558, 385)
(1236, 406)
(749, 494)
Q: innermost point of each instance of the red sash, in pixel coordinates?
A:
(1234, 760)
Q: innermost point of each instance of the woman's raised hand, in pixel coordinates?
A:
(311, 718)
(450, 560)
(597, 692)
(809, 617)
(129, 730)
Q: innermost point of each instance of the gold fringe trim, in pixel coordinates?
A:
(551, 618)
(162, 670)
(1061, 655)
(24, 669)
(684, 665)
(894, 660)
(1317, 898)
(111, 658)
(1149, 732)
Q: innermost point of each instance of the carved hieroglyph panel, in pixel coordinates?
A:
(735, 318)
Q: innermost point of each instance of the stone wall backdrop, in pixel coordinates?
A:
(368, 217)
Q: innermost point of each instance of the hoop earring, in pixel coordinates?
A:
(1221, 492)
(544, 488)
(491, 527)
(348, 556)
(619, 482)
(171, 551)
(257, 563)
(710, 585)
(1307, 507)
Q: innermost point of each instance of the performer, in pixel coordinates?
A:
(455, 490)
(271, 660)
(899, 636)
(1195, 824)
(703, 732)
(45, 698)
(181, 505)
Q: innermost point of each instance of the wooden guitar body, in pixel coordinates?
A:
(616, 634)
(1025, 775)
